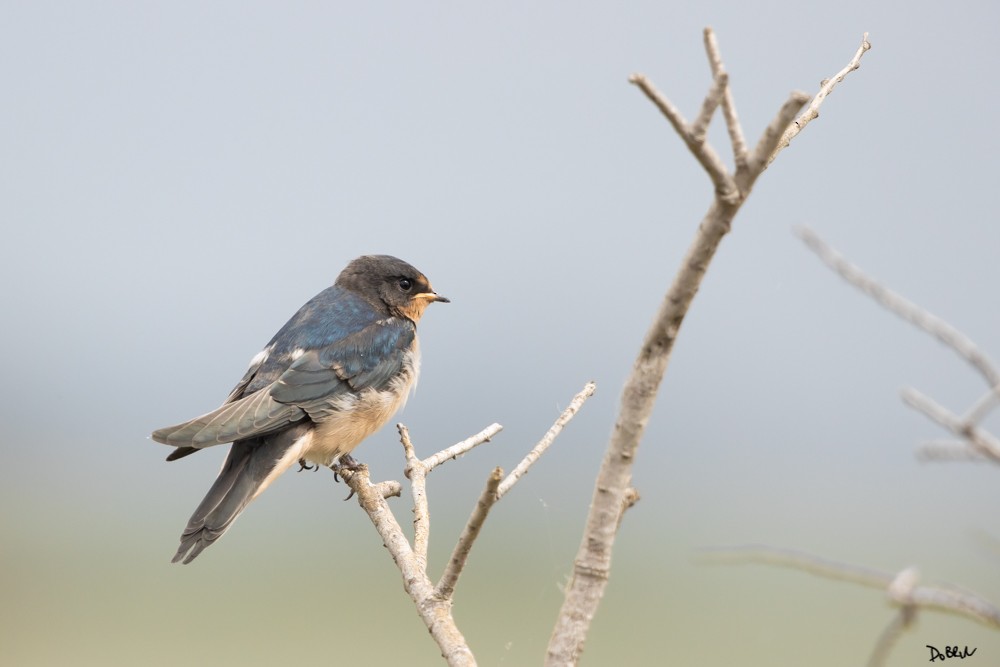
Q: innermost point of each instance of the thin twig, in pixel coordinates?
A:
(739, 143)
(446, 585)
(902, 588)
(981, 440)
(434, 602)
(826, 87)
(909, 311)
(416, 471)
(725, 187)
(949, 450)
(768, 142)
(799, 560)
(982, 407)
(901, 620)
(708, 107)
(522, 468)
(459, 448)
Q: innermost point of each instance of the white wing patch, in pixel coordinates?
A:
(261, 356)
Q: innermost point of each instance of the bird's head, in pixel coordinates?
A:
(390, 283)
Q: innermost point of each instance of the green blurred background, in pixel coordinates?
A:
(177, 178)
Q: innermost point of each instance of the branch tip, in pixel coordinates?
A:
(812, 111)
(536, 452)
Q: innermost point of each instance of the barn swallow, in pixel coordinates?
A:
(332, 376)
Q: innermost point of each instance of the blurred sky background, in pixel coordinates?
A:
(176, 179)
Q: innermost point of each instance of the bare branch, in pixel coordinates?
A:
(416, 471)
(591, 567)
(948, 450)
(666, 107)
(900, 591)
(901, 620)
(903, 585)
(772, 134)
(799, 560)
(446, 586)
(909, 311)
(497, 486)
(957, 602)
(725, 187)
(389, 489)
(983, 406)
(459, 448)
(708, 107)
(982, 441)
(739, 143)
(901, 588)
(408, 450)
(434, 611)
(434, 602)
(812, 111)
(547, 439)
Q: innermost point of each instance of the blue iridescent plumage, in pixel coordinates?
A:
(337, 371)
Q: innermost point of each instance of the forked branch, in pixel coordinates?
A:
(980, 443)
(612, 490)
(434, 602)
(902, 589)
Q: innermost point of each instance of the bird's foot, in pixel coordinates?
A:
(303, 465)
(345, 462)
(348, 463)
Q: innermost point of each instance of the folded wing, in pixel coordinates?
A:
(311, 386)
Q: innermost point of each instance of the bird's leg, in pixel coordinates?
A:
(305, 466)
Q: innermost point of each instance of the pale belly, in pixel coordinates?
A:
(347, 421)
(355, 417)
(344, 430)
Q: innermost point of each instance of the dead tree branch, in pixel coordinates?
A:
(434, 602)
(434, 611)
(446, 586)
(536, 452)
(826, 87)
(899, 305)
(980, 442)
(901, 589)
(948, 450)
(612, 490)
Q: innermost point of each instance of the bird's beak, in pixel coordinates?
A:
(432, 297)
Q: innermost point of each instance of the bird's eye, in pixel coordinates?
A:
(405, 284)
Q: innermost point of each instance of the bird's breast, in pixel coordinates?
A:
(357, 415)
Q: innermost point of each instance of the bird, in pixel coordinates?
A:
(334, 374)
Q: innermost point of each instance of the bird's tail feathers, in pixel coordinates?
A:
(248, 470)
